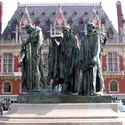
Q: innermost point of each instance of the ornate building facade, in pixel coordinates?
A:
(51, 18)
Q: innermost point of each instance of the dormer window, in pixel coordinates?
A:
(16, 22)
(22, 13)
(37, 23)
(32, 13)
(24, 34)
(103, 21)
(81, 21)
(70, 21)
(65, 13)
(86, 13)
(43, 13)
(110, 33)
(54, 13)
(48, 21)
(75, 13)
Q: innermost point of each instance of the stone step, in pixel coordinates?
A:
(63, 114)
(64, 110)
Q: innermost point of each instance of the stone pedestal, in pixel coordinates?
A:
(59, 98)
(52, 109)
(63, 114)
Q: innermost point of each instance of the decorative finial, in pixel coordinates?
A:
(100, 2)
(95, 18)
(18, 4)
(60, 10)
(25, 8)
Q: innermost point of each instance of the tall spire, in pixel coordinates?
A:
(95, 18)
(60, 20)
(25, 19)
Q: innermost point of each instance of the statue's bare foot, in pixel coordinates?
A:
(99, 93)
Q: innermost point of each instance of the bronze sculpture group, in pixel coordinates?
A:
(65, 61)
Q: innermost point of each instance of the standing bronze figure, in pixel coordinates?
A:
(54, 60)
(31, 59)
(68, 58)
(91, 47)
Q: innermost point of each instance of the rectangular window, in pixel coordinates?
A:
(7, 62)
(112, 62)
(24, 34)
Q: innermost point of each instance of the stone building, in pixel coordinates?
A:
(51, 18)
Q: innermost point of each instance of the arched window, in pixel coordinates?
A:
(7, 87)
(114, 86)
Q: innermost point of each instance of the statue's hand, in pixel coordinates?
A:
(93, 61)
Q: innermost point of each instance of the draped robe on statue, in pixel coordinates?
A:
(90, 49)
(53, 60)
(32, 68)
(68, 57)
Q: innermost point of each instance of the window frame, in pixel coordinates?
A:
(24, 33)
(4, 85)
(112, 62)
(7, 62)
(111, 91)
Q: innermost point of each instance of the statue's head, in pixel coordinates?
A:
(66, 30)
(90, 27)
(29, 28)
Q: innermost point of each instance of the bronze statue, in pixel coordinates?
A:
(90, 50)
(68, 57)
(31, 59)
(54, 60)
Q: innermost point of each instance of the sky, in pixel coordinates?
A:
(9, 7)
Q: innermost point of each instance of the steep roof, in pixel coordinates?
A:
(76, 14)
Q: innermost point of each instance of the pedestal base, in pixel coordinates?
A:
(49, 97)
(63, 114)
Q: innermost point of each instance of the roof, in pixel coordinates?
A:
(75, 13)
